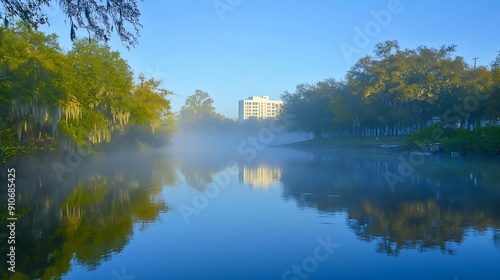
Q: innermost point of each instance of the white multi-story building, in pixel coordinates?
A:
(259, 107)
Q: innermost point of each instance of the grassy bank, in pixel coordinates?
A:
(480, 141)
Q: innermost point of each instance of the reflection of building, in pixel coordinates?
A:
(259, 107)
(261, 176)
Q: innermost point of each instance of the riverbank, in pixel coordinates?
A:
(483, 142)
(381, 142)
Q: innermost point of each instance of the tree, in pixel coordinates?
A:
(31, 64)
(152, 107)
(347, 109)
(492, 110)
(405, 85)
(98, 87)
(198, 108)
(309, 106)
(99, 18)
(82, 96)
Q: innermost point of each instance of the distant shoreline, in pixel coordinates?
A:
(395, 144)
(370, 142)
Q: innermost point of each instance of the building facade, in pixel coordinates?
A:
(259, 107)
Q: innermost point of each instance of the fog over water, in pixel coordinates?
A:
(230, 207)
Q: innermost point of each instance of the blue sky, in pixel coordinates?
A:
(234, 49)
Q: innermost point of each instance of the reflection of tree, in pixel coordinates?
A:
(164, 173)
(198, 175)
(97, 220)
(426, 212)
(420, 224)
(496, 238)
(198, 167)
(87, 220)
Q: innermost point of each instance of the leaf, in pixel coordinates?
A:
(6, 22)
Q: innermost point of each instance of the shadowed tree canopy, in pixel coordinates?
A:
(99, 18)
(309, 106)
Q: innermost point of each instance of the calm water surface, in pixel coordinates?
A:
(285, 214)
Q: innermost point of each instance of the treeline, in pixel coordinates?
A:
(50, 97)
(397, 91)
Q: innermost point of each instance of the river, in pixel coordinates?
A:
(278, 214)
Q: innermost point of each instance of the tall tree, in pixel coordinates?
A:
(30, 82)
(50, 97)
(99, 84)
(406, 84)
(197, 108)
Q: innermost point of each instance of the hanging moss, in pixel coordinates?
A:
(84, 95)
(120, 117)
(72, 109)
(32, 113)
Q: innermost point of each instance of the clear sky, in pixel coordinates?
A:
(234, 49)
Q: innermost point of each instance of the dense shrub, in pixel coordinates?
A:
(483, 140)
(486, 140)
(435, 133)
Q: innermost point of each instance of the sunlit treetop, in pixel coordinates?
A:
(100, 18)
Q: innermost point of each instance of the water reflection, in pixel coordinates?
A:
(87, 217)
(431, 209)
(496, 238)
(199, 166)
(261, 176)
(92, 214)
(434, 207)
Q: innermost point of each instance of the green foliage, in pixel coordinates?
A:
(308, 106)
(482, 140)
(403, 86)
(198, 113)
(460, 143)
(151, 106)
(9, 152)
(395, 91)
(198, 107)
(83, 96)
(9, 146)
(486, 140)
(435, 133)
